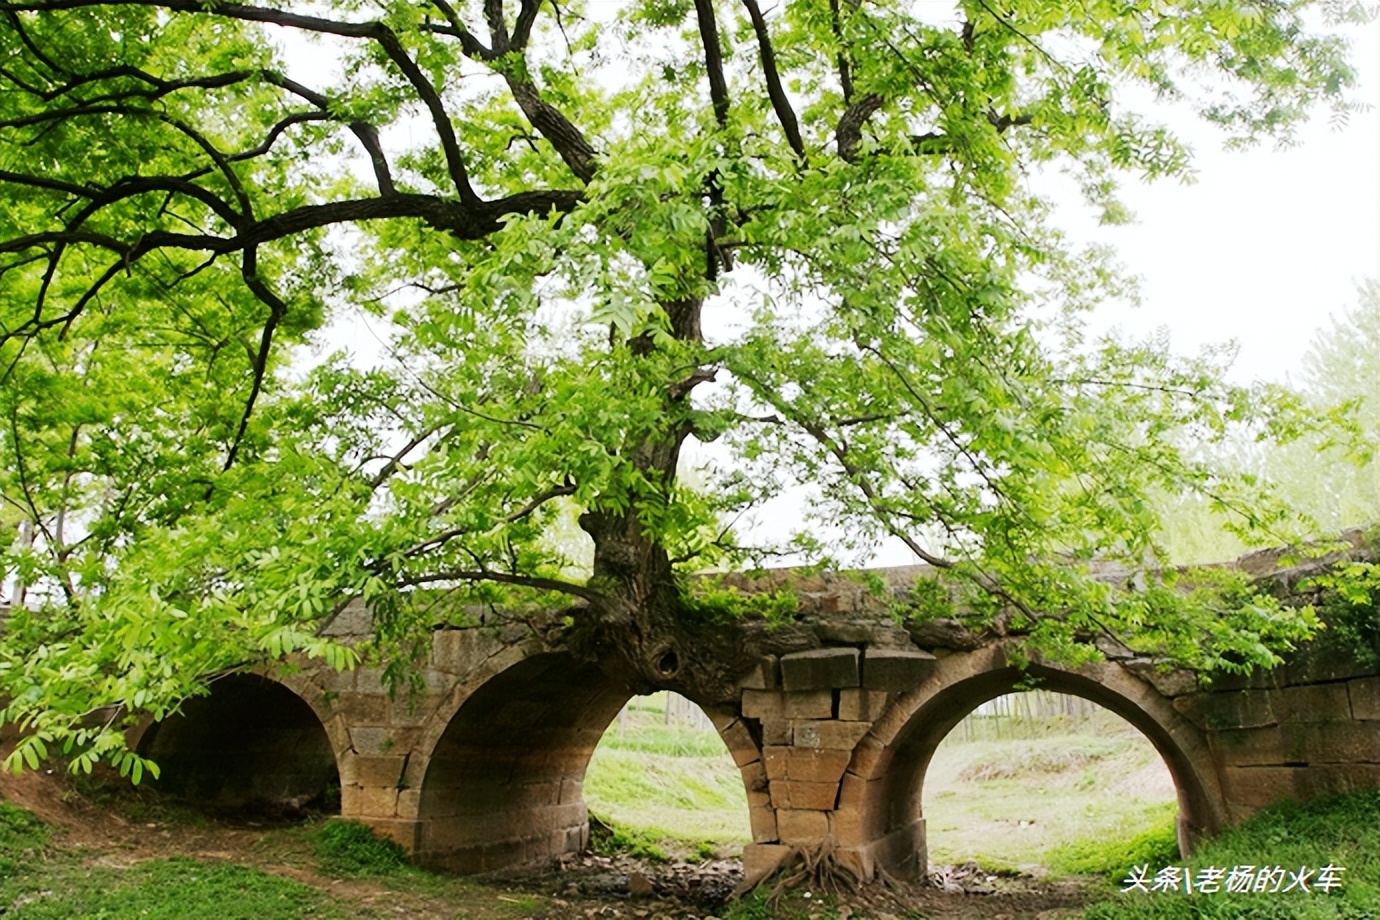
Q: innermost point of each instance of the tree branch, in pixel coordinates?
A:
(526, 581)
(779, 101)
(277, 309)
(367, 134)
(568, 140)
(713, 60)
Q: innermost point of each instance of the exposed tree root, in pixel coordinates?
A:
(818, 868)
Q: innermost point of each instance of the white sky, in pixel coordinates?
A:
(1266, 244)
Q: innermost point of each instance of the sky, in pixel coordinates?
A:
(1266, 244)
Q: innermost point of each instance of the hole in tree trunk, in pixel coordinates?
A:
(669, 663)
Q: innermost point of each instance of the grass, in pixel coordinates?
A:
(352, 849)
(38, 883)
(23, 839)
(608, 839)
(672, 787)
(1343, 831)
(1055, 803)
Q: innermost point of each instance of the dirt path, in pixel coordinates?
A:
(120, 828)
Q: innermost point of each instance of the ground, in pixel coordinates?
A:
(98, 829)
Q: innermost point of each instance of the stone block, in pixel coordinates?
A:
(774, 761)
(778, 731)
(1232, 709)
(871, 633)
(1364, 693)
(1312, 703)
(802, 828)
(1173, 682)
(1250, 788)
(858, 705)
(405, 833)
(760, 860)
(453, 650)
(334, 681)
(1347, 742)
(797, 795)
(869, 755)
(409, 803)
(437, 682)
(814, 766)
(539, 793)
(754, 777)
(1316, 663)
(1335, 779)
(762, 818)
(764, 704)
(370, 680)
(354, 620)
(762, 675)
(831, 734)
(413, 713)
(902, 853)
(1249, 746)
(859, 860)
(362, 708)
(366, 739)
(809, 704)
(820, 669)
(378, 770)
(848, 823)
(896, 670)
(741, 746)
(372, 802)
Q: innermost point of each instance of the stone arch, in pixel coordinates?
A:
(503, 784)
(884, 782)
(251, 740)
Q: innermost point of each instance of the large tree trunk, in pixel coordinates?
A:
(642, 634)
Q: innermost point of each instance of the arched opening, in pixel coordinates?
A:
(886, 779)
(1037, 780)
(663, 773)
(250, 743)
(504, 783)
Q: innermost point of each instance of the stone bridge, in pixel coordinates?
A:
(484, 767)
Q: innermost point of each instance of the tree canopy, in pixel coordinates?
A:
(586, 238)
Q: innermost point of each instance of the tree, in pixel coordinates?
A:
(803, 233)
(1331, 474)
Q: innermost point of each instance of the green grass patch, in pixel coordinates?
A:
(23, 838)
(1342, 831)
(609, 839)
(1051, 755)
(162, 889)
(1109, 855)
(666, 741)
(352, 849)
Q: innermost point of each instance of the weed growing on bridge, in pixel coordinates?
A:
(1350, 607)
